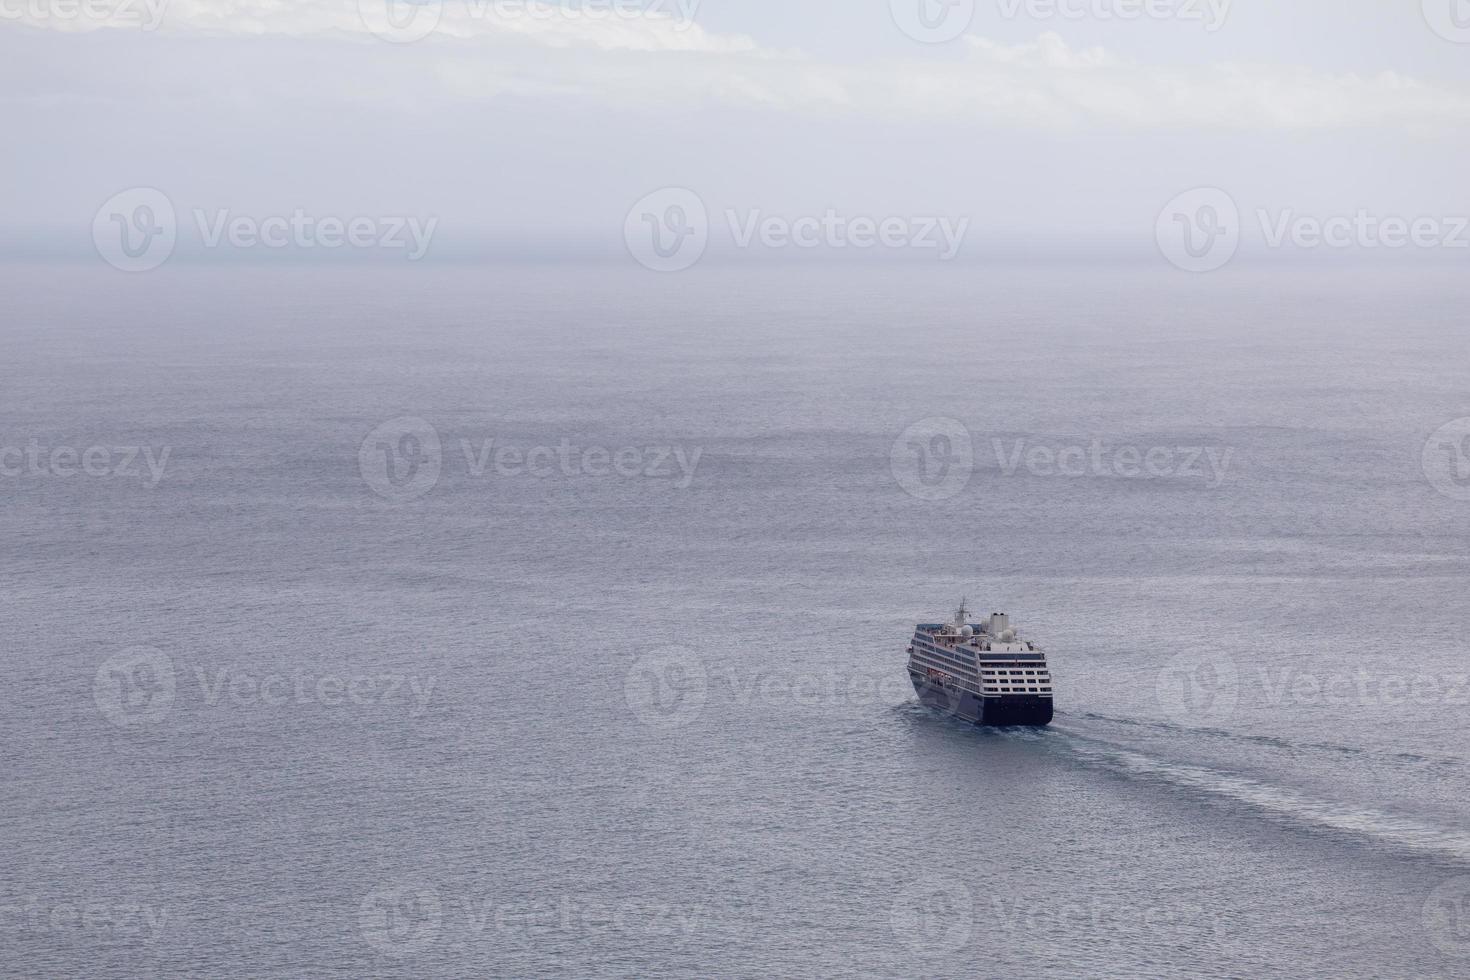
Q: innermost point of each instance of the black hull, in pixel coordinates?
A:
(1007, 710)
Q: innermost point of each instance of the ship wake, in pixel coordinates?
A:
(1276, 742)
(1379, 828)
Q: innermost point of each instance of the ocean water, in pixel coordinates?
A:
(542, 621)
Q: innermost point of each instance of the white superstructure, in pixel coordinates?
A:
(988, 663)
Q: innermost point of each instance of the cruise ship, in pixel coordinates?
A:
(981, 672)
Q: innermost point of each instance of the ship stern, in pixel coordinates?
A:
(1020, 711)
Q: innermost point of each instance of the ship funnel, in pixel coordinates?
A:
(999, 623)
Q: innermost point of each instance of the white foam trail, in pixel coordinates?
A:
(1277, 802)
(1277, 742)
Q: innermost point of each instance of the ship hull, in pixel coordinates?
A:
(1004, 711)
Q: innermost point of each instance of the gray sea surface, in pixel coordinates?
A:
(550, 621)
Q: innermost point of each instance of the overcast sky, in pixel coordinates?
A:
(523, 129)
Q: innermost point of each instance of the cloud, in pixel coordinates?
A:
(658, 58)
(649, 26)
(1060, 85)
